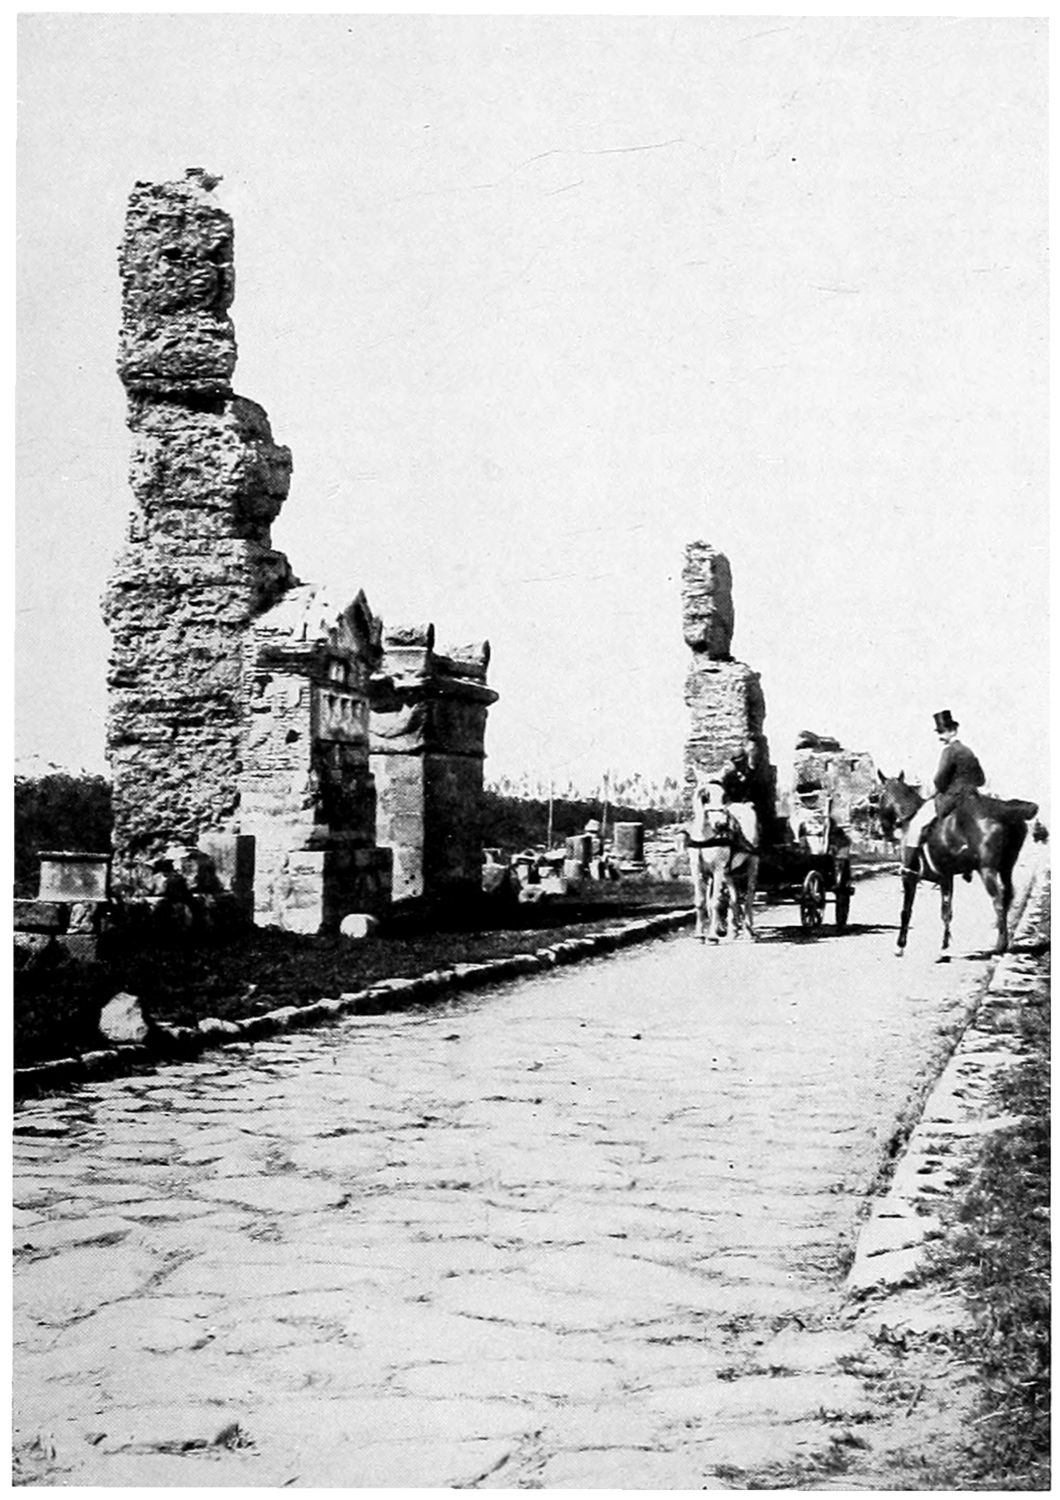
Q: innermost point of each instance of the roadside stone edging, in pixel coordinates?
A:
(892, 1246)
(180, 1043)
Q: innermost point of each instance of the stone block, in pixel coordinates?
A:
(41, 916)
(122, 1021)
(706, 601)
(74, 875)
(358, 925)
(178, 280)
(82, 947)
(32, 948)
(87, 916)
(233, 856)
(629, 842)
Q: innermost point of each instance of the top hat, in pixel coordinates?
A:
(945, 720)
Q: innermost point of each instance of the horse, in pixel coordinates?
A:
(724, 864)
(981, 834)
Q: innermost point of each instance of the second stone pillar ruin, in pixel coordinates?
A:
(724, 697)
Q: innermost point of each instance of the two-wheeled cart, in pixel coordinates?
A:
(811, 864)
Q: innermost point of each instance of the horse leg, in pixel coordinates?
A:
(709, 934)
(723, 885)
(736, 914)
(999, 889)
(699, 896)
(946, 896)
(749, 899)
(909, 885)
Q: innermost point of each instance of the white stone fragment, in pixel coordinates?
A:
(122, 1020)
(358, 925)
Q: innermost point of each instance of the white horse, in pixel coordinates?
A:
(722, 840)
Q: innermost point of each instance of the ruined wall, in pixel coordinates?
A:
(821, 763)
(307, 792)
(724, 697)
(207, 481)
(428, 726)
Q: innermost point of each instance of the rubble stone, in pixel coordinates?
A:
(122, 1020)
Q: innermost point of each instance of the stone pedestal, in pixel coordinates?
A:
(427, 738)
(73, 875)
(629, 843)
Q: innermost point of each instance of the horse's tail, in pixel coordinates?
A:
(1017, 808)
(1011, 809)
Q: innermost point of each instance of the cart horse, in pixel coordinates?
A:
(724, 865)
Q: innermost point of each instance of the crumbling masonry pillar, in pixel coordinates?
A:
(237, 711)
(724, 697)
(207, 482)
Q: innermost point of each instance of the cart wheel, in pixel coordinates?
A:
(842, 905)
(812, 903)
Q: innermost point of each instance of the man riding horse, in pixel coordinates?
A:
(959, 773)
(961, 829)
(744, 791)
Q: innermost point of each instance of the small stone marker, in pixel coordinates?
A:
(358, 925)
(122, 1020)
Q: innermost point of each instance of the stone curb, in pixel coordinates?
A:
(180, 1043)
(892, 1245)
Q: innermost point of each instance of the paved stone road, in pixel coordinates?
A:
(583, 1230)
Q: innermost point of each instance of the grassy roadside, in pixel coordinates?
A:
(1000, 1258)
(57, 1004)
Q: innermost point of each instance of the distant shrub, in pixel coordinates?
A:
(58, 811)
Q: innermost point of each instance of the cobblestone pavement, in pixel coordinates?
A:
(582, 1230)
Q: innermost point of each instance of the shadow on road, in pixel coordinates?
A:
(799, 935)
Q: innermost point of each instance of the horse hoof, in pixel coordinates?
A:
(943, 958)
(899, 953)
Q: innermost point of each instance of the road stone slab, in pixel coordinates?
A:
(583, 1229)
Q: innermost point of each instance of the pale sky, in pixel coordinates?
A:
(536, 301)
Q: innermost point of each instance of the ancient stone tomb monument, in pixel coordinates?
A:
(242, 733)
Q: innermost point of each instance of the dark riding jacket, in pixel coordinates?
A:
(736, 784)
(959, 772)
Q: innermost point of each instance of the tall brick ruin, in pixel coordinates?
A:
(724, 696)
(211, 631)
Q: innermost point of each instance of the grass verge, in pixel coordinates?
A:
(1000, 1258)
(182, 981)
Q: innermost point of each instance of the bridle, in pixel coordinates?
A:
(726, 839)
